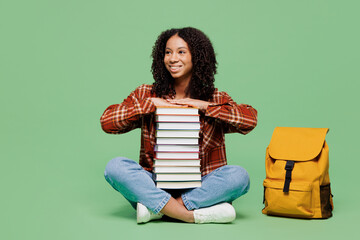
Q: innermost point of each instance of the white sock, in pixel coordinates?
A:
(220, 213)
(143, 214)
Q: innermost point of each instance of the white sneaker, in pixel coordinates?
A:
(143, 214)
(220, 213)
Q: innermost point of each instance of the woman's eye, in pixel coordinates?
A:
(182, 52)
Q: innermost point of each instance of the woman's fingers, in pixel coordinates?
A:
(159, 102)
(186, 102)
(202, 105)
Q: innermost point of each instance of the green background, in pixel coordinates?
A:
(63, 62)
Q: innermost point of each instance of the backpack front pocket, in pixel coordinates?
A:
(295, 203)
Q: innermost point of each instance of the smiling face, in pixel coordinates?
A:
(177, 59)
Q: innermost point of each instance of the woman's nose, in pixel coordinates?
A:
(174, 58)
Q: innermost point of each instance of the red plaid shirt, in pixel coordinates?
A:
(222, 116)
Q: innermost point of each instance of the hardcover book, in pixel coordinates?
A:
(178, 125)
(177, 155)
(176, 169)
(176, 111)
(177, 118)
(176, 162)
(185, 141)
(178, 177)
(178, 185)
(176, 148)
(177, 133)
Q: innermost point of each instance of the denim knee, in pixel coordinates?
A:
(116, 169)
(239, 179)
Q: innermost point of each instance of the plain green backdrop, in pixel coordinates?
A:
(63, 62)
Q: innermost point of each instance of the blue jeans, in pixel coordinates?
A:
(224, 184)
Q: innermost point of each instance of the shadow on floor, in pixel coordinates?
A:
(240, 216)
(127, 212)
(124, 212)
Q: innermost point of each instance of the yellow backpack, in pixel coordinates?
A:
(297, 180)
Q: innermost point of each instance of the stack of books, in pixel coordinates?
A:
(176, 162)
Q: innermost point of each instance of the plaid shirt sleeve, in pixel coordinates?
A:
(121, 118)
(240, 118)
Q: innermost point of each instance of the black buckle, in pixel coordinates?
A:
(288, 167)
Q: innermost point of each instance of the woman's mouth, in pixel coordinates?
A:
(175, 68)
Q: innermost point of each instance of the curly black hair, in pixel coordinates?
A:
(204, 62)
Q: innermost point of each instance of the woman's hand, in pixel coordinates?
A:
(160, 102)
(200, 104)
